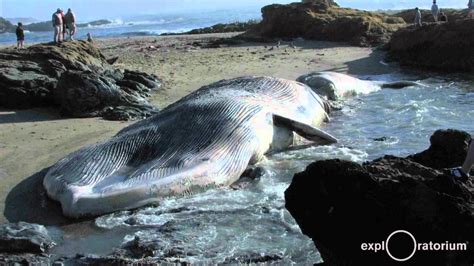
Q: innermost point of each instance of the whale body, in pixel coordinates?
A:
(205, 140)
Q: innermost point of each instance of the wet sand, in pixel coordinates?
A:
(31, 140)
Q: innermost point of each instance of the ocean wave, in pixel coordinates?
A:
(154, 32)
(158, 21)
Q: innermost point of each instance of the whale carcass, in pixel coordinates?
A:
(207, 139)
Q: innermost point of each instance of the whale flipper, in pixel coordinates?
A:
(399, 84)
(305, 130)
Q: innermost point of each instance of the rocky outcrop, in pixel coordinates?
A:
(24, 243)
(24, 238)
(448, 149)
(223, 28)
(341, 205)
(324, 20)
(77, 79)
(453, 14)
(435, 46)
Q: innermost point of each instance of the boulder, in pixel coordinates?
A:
(435, 46)
(324, 20)
(24, 243)
(342, 205)
(75, 78)
(24, 237)
(447, 150)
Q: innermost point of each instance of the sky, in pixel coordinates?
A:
(111, 9)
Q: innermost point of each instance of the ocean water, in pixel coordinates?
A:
(219, 225)
(148, 25)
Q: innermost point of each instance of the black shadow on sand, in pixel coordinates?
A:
(27, 115)
(28, 202)
(374, 64)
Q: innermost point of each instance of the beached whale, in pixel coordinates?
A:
(335, 86)
(207, 139)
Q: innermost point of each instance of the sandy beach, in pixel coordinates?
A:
(31, 140)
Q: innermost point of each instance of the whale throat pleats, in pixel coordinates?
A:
(206, 139)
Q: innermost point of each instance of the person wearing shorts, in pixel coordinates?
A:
(20, 36)
(58, 26)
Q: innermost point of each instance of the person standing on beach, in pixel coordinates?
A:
(417, 17)
(64, 24)
(435, 11)
(58, 26)
(20, 36)
(70, 20)
(470, 9)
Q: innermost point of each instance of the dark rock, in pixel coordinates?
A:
(249, 177)
(341, 205)
(223, 28)
(435, 46)
(254, 172)
(112, 60)
(253, 258)
(448, 148)
(105, 260)
(77, 79)
(324, 20)
(24, 238)
(25, 259)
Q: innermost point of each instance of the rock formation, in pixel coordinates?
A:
(341, 205)
(326, 21)
(435, 46)
(223, 28)
(75, 78)
(24, 243)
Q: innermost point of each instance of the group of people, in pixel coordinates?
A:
(435, 11)
(63, 23)
(440, 16)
